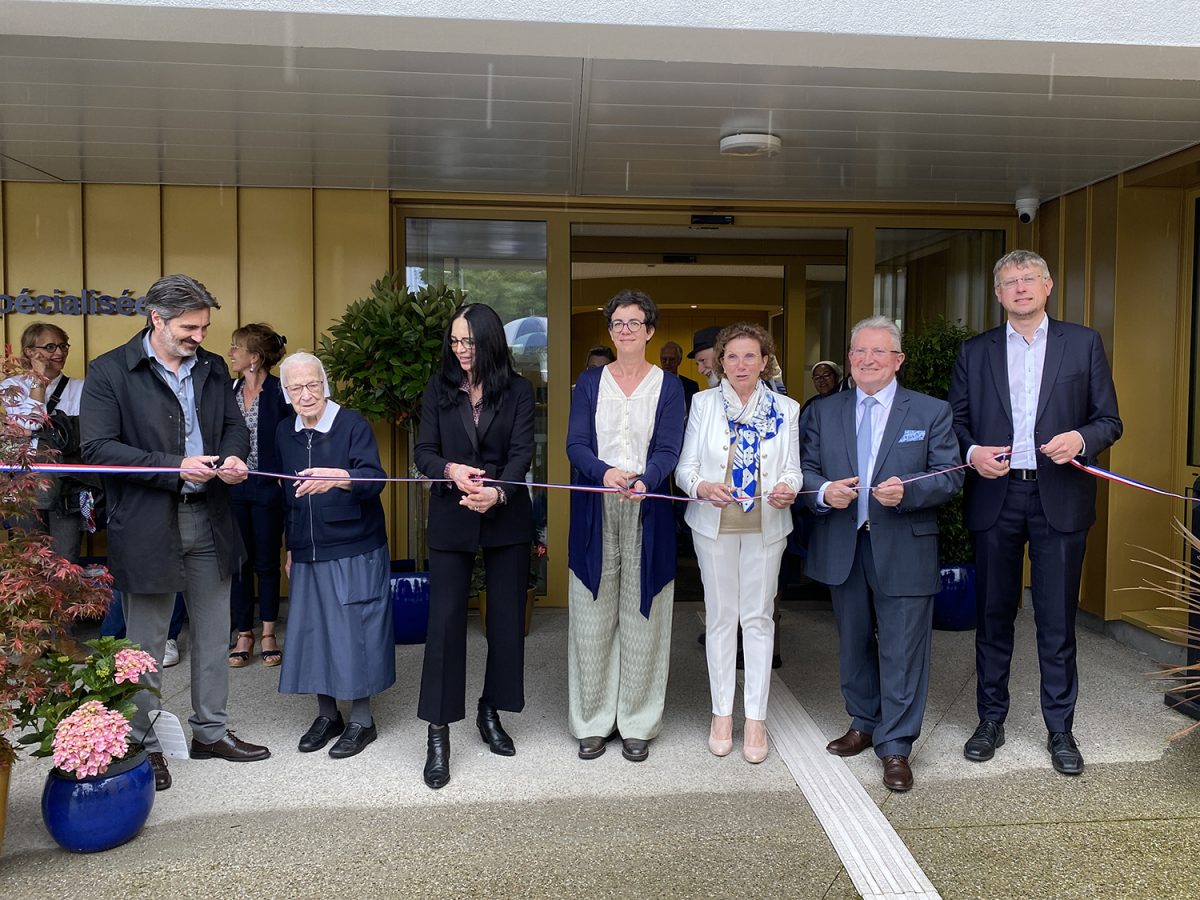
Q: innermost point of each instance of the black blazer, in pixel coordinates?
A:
(502, 446)
(1076, 394)
(129, 417)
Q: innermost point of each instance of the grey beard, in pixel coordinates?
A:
(713, 379)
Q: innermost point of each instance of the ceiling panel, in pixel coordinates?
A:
(194, 113)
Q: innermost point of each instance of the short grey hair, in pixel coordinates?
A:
(1021, 259)
(301, 358)
(881, 323)
(173, 295)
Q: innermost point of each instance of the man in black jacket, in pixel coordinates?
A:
(161, 401)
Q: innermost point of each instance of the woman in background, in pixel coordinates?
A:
(476, 422)
(258, 502)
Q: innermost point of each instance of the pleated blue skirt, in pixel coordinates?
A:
(339, 628)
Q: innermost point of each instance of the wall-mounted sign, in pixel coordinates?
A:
(92, 303)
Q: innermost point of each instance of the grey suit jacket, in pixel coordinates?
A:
(918, 438)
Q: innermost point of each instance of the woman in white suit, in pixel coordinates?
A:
(741, 453)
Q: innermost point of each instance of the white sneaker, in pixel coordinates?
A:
(171, 655)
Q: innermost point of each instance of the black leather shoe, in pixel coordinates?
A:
(437, 757)
(492, 732)
(353, 739)
(162, 778)
(591, 747)
(231, 748)
(635, 750)
(1064, 753)
(981, 746)
(321, 732)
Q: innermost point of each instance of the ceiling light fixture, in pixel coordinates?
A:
(750, 144)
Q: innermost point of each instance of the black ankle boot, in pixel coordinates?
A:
(437, 758)
(492, 732)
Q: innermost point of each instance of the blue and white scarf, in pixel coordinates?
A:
(749, 425)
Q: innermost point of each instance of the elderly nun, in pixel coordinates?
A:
(340, 639)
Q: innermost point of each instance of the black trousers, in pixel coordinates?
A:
(444, 673)
(1056, 559)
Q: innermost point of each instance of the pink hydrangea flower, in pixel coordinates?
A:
(131, 664)
(87, 740)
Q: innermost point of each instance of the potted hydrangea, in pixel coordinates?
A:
(101, 789)
(41, 596)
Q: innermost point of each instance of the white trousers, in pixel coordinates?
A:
(739, 572)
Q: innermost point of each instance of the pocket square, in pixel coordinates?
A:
(912, 435)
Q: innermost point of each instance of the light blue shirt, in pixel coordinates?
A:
(187, 393)
(884, 397)
(1026, 361)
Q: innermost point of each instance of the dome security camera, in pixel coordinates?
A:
(1027, 207)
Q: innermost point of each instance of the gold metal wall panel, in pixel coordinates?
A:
(122, 243)
(199, 238)
(43, 228)
(275, 262)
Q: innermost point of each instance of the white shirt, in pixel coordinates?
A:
(1026, 360)
(624, 425)
(884, 398)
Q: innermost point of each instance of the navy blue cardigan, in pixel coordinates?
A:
(585, 546)
(336, 524)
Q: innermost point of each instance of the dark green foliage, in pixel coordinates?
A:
(385, 348)
(928, 364)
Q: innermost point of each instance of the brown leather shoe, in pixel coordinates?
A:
(162, 778)
(851, 743)
(897, 776)
(230, 747)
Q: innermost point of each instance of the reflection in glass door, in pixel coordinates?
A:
(502, 264)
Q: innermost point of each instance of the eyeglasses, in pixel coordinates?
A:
(465, 343)
(824, 376)
(299, 390)
(875, 353)
(52, 348)
(1024, 280)
(633, 326)
(233, 347)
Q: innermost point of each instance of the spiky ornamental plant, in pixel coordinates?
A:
(1182, 587)
(41, 594)
(381, 354)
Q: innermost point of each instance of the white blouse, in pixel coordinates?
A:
(624, 425)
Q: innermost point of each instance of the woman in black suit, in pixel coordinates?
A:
(258, 502)
(476, 423)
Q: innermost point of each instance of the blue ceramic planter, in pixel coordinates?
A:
(101, 812)
(954, 605)
(410, 605)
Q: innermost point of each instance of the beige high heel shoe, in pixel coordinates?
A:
(720, 735)
(754, 741)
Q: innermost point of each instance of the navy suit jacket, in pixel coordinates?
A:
(918, 438)
(1076, 394)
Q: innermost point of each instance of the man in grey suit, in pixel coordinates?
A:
(874, 541)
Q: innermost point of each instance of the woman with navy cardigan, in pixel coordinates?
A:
(258, 502)
(625, 433)
(340, 640)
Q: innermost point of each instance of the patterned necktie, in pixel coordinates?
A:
(865, 435)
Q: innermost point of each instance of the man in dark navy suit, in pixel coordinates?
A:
(1029, 397)
(882, 459)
